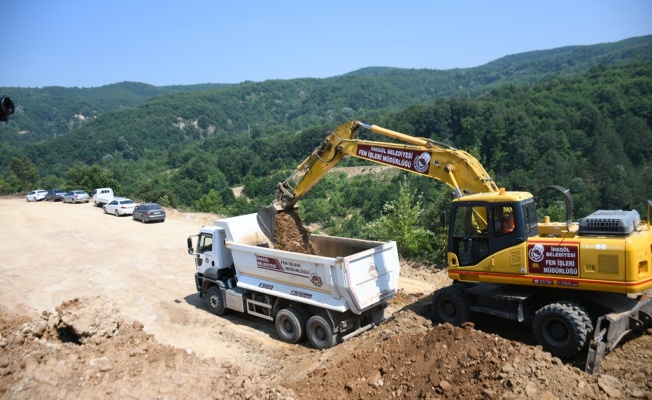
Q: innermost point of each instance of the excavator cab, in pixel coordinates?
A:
(483, 224)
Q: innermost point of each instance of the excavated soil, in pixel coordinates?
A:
(94, 306)
(290, 233)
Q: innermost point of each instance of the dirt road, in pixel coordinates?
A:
(147, 333)
(55, 252)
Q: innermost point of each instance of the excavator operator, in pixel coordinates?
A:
(503, 221)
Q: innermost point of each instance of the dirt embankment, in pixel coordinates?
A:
(95, 306)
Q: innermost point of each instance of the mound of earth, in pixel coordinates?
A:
(84, 350)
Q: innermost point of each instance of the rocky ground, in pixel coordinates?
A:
(74, 343)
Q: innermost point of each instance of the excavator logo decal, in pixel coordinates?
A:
(553, 259)
(536, 253)
(407, 159)
(421, 162)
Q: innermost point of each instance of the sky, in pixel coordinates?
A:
(92, 43)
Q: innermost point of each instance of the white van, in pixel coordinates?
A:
(102, 196)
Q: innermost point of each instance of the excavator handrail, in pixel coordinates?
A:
(567, 199)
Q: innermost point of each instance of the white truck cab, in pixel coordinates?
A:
(102, 196)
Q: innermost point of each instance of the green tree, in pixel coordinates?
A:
(24, 171)
(89, 178)
(402, 221)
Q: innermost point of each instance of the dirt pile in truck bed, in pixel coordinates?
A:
(290, 234)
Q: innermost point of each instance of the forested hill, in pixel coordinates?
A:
(522, 68)
(45, 113)
(590, 132)
(55, 111)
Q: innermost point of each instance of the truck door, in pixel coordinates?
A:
(205, 257)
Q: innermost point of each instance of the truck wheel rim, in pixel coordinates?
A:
(320, 333)
(215, 302)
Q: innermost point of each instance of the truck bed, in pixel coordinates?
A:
(346, 274)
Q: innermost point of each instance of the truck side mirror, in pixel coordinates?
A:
(191, 251)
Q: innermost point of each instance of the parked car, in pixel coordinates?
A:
(76, 196)
(55, 195)
(36, 195)
(120, 206)
(149, 212)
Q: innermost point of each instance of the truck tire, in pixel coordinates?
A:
(563, 329)
(319, 332)
(214, 301)
(290, 325)
(450, 304)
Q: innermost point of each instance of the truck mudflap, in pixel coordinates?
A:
(612, 328)
(377, 314)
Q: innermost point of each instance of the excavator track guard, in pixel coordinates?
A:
(612, 328)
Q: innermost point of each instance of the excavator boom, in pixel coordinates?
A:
(456, 168)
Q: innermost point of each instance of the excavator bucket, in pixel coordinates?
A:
(267, 220)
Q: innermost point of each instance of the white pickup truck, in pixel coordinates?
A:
(329, 297)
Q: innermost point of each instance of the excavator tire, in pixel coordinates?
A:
(319, 332)
(290, 325)
(563, 329)
(450, 304)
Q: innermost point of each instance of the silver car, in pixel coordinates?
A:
(76, 196)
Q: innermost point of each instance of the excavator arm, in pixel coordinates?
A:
(456, 168)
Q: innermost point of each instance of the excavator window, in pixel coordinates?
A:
(470, 239)
(503, 220)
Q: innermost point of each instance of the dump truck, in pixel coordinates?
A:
(582, 284)
(333, 295)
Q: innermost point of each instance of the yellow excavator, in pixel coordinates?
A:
(581, 284)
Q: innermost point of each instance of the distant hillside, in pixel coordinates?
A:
(52, 112)
(522, 68)
(49, 112)
(589, 132)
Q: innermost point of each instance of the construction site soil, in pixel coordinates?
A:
(94, 306)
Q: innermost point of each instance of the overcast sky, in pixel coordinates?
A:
(91, 43)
